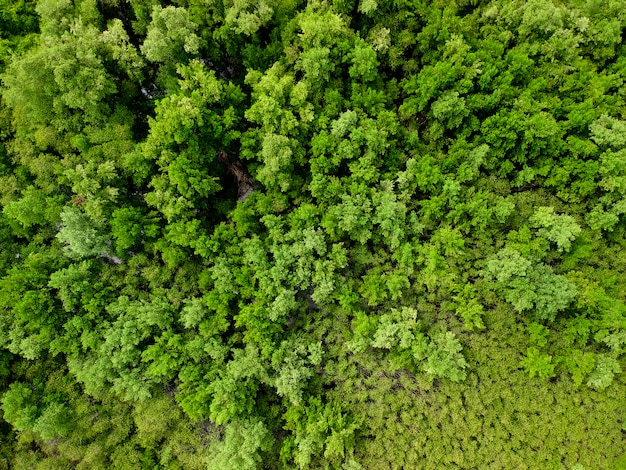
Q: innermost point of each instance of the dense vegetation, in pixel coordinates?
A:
(339, 234)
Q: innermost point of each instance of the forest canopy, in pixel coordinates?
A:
(352, 234)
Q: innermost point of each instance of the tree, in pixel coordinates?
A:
(244, 441)
(81, 236)
(248, 234)
(170, 34)
(530, 288)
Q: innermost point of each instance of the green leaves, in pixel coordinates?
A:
(28, 311)
(33, 208)
(395, 329)
(290, 222)
(449, 110)
(560, 229)
(235, 390)
(247, 17)
(319, 429)
(277, 157)
(609, 132)
(170, 36)
(399, 331)
(580, 365)
(22, 408)
(81, 236)
(131, 228)
(444, 358)
(18, 407)
(602, 376)
(506, 265)
(365, 64)
(530, 288)
(469, 308)
(55, 421)
(538, 363)
(190, 130)
(293, 369)
(243, 442)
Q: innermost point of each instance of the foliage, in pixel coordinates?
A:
(326, 234)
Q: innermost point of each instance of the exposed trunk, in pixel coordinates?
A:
(245, 183)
